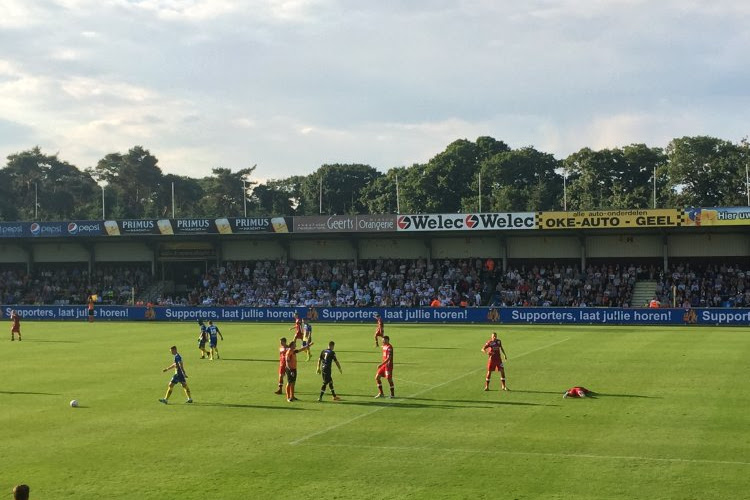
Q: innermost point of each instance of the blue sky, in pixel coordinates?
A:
(293, 84)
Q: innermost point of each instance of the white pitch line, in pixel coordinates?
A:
(538, 454)
(418, 393)
(402, 381)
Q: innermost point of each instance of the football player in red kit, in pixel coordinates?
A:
(15, 326)
(378, 328)
(579, 392)
(282, 363)
(495, 351)
(385, 369)
(298, 334)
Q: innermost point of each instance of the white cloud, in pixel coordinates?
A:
(292, 84)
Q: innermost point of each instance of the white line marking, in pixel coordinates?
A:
(402, 381)
(418, 393)
(538, 454)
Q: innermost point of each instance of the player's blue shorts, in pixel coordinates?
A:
(213, 342)
(201, 343)
(178, 378)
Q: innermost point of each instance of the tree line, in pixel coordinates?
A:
(467, 176)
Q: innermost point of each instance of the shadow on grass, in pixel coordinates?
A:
(374, 350)
(251, 360)
(29, 393)
(403, 403)
(374, 362)
(492, 402)
(289, 406)
(412, 402)
(427, 347)
(54, 341)
(597, 394)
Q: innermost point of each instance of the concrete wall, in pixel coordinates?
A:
(470, 246)
(322, 249)
(709, 245)
(393, 248)
(624, 246)
(252, 250)
(60, 252)
(10, 254)
(123, 252)
(544, 247)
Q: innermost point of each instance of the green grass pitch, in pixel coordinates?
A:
(671, 421)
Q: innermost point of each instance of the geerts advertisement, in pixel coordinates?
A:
(507, 315)
(344, 224)
(609, 219)
(716, 216)
(467, 222)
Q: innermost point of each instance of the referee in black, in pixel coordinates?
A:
(325, 364)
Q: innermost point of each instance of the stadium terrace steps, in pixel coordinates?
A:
(643, 292)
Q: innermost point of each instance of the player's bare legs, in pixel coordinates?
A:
(487, 380)
(380, 386)
(502, 379)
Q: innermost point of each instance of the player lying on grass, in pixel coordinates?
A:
(579, 392)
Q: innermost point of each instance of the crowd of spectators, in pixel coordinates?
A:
(390, 283)
(410, 283)
(689, 285)
(72, 284)
(568, 286)
(386, 283)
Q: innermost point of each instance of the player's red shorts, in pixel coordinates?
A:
(378, 333)
(298, 334)
(385, 371)
(494, 365)
(282, 369)
(15, 329)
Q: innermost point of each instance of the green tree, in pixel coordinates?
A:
(224, 192)
(337, 187)
(379, 197)
(447, 178)
(277, 197)
(518, 180)
(60, 190)
(187, 196)
(706, 172)
(134, 182)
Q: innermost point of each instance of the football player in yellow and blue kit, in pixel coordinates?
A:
(213, 332)
(306, 335)
(179, 377)
(202, 339)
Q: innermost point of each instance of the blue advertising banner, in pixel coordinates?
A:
(510, 315)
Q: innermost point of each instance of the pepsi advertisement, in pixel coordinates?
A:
(484, 315)
(51, 229)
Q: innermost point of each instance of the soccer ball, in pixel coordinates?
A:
(74, 403)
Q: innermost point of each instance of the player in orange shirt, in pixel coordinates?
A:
(378, 328)
(298, 334)
(579, 392)
(385, 369)
(495, 351)
(291, 368)
(282, 363)
(15, 326)
(90, 307)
